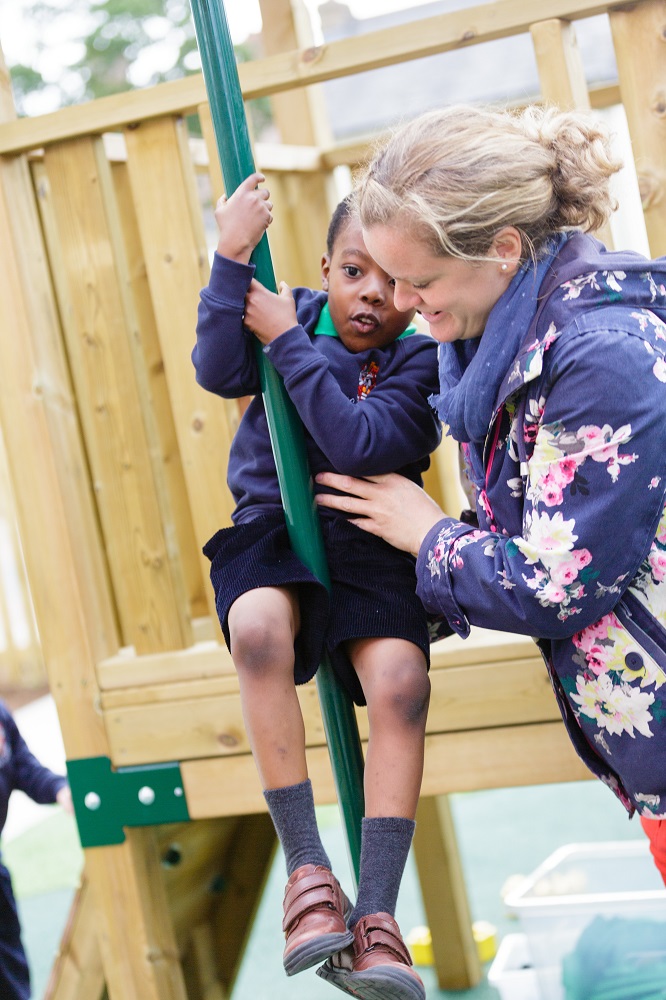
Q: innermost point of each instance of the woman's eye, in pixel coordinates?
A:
(419, 288)
(351, 270)
(392, 282)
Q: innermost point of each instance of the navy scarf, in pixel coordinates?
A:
(472, 371)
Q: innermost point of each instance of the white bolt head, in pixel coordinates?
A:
(92, 801)
(146, 796)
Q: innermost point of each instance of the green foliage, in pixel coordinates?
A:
(115, 45)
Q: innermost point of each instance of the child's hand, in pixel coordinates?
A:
(243, 219)
(267, 314)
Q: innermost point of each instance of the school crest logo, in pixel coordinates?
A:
(367, 379)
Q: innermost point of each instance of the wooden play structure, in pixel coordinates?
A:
(117, 460)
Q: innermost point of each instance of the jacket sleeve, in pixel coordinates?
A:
(223, 355)
(392, 427)
(38, 782)
(593, 496)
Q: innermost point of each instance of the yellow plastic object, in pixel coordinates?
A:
(419, 942)
(485, 937)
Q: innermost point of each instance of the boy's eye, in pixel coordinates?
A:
(419, 288)
(351, 270)
(392, 282)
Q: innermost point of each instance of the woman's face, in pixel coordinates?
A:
(453, 296)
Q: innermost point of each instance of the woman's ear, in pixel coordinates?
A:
(508, 246)
(325, 271)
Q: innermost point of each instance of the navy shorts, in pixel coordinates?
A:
(373, 589)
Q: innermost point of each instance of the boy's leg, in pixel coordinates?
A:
(14, 972)
(263, 625)
(395, 682)
(394, 677)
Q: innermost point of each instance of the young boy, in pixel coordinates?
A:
(19, 770)
(360, 378)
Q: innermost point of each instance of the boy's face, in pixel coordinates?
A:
(360, 294)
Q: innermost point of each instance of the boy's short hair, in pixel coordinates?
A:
(344, 211)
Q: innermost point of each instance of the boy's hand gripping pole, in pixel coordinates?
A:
(287, 439)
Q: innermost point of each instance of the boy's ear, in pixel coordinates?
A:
(325, 271)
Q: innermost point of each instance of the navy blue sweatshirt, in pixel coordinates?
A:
(19, 769)
(364, 414)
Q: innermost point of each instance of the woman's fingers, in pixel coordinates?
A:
(364, 488)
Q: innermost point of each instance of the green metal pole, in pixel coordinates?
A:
(235, 151)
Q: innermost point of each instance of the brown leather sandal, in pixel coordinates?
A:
(316, 911)
(378, 966)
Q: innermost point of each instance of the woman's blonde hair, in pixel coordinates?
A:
(459, 174)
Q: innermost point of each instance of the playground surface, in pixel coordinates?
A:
(501, 833)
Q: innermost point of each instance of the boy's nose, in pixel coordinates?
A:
(372, 293)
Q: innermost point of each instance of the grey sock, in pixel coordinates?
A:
(293, 813)
(385, 843)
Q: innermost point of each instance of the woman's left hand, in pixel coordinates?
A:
(390, 506)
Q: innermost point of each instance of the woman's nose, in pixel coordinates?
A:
(404, 297)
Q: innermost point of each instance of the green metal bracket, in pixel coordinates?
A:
(218, 63)
(105, 800)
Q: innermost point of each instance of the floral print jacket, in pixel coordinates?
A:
(571, 543)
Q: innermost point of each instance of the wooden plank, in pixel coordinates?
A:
(444, 896)
(152, 730)
(133, 921)
(247, 864)
(211, 659)
(562, 77)
(181, 527)
(176, 262)
(442, 33)
(77, 972)
(540, 753)
(111, 385)
(638, 36)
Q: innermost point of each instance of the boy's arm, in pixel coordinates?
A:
(38, 782)
(223, 356)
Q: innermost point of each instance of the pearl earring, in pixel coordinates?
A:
(504, 267)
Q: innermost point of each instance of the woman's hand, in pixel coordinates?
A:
(390, 506)
(267, 314)
(243, 219)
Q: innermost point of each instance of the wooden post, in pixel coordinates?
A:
(303, 202)
(639, 37)
(444, 896)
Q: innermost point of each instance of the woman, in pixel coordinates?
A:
(553, 379)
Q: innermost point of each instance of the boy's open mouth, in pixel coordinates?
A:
(365, 322)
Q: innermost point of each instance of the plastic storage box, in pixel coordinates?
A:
(512, 973)
(612, 894)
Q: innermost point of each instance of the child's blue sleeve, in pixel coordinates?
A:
(38, 782)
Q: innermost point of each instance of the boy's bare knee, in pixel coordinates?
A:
(260, 647)
(405, 696)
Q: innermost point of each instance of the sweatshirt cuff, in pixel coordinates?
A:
(434, 584)
(229, 280)
(291, 351)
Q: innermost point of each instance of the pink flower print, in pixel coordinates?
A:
(661, 532)
(553, 593)
(597, 658)
(582, 557)
(599, 630)
(657, 560)
(565, 573)
(439, 552)
(563, 472)
(551, 492)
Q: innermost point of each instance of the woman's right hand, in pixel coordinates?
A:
(243, 219)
